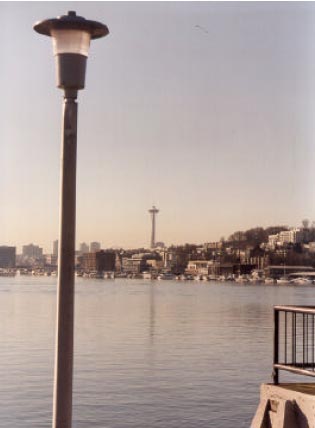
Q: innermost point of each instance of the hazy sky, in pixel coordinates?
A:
(205, 109)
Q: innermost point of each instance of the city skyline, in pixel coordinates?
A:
(206, 109)
(94, 246)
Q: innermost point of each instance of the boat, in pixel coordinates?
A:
(284, 280)
(242, 279)
(166, 276)
(96, 275)
(180, 277)
(301, 281)
(146, 275)
(121, 275)
(109, 275)
(270, 281)
(137, 275)
(7, 272)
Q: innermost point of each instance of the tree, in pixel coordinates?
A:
(305, 223)
(238, 236)
(256, 236)
(273, 230)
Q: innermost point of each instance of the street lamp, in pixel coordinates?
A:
(71, 35)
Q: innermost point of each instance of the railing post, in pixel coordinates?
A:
(275, 373)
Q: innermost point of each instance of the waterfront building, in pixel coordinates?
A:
(134, 264)
(225, 269)
(278, 271)
(213, 268)
(99, 261)
(32, 251)
(176, 259)
(94, 247)
(163, 253)
(7, 256)
(155, 264)
(199, 267)
(118, 263)
(84, 248)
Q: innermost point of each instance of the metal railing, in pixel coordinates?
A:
(294, 350)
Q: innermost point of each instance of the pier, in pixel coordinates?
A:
(290, 405)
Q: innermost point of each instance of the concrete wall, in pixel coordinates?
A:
(286, 406)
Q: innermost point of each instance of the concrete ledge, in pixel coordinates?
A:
(288, 405)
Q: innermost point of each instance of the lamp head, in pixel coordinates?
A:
(71, 36)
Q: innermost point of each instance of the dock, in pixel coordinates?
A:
(287, 405)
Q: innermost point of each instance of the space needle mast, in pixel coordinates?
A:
(153, 211)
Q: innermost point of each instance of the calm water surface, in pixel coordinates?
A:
(160, 354)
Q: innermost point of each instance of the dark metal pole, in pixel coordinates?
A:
(275, 373)
(62, 410)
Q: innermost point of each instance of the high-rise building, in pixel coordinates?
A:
(55, 247)
(7, 256)
(51, 260)
(84, 248)
(32, 251)
(153, 211)
(94, 247)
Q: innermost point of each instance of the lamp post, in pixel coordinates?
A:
(71, 35)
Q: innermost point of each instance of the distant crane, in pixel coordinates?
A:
(153, 211)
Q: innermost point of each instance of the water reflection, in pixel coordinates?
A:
(147, 354)
(152, 286)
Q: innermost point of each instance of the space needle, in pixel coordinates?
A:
(153, 211)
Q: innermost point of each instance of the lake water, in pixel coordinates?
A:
(148, 354)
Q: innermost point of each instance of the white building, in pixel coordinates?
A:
(292, 236)
(273, 240)
(95, 247)
(200, 267)
(32, 251)
(84, 248)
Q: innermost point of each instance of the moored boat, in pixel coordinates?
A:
(166, 276)
(270, 281)
(301, 281)
(284, 280)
